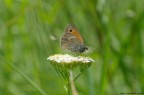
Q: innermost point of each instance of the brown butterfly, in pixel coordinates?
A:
(72, 40)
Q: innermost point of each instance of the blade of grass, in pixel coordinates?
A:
(24, 76)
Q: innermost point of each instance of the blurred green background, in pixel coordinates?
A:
(30, 31)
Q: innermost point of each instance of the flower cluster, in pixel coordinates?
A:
(63, 64)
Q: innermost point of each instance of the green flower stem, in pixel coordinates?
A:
(73, 89)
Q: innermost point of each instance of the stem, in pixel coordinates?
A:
(73, 89)
(77, 76)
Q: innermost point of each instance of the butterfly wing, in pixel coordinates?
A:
(72, 40)
(74, 31)
(69, 42)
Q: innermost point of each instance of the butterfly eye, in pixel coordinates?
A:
(70, 30)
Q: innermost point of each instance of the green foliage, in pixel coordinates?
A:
(30, 31)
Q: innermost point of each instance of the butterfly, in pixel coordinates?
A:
(72, 40)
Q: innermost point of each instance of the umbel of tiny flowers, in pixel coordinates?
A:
(66, 64)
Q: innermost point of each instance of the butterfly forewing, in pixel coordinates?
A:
(72, 40)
